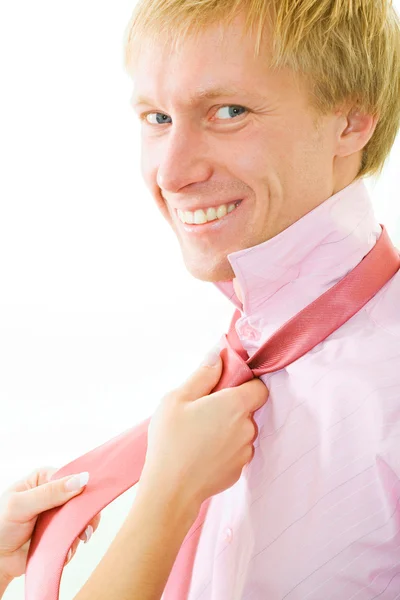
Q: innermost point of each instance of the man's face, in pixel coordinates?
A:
(259, 145)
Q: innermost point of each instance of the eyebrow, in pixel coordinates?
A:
(204, 93)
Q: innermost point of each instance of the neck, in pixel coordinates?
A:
(237, 289)
(278, 278)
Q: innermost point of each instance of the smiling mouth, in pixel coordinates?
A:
(201, 217)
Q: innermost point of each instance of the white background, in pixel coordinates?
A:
(98, 316)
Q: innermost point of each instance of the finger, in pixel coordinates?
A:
(95, 522)
(87, 533)
(33, 480)
(24, 506)
(204, 379)
(69, 556)
(255, 395)
(72, 552)
(249, 455)
(255, 429)
(41, 476)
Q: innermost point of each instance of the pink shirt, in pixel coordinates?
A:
(316, 514)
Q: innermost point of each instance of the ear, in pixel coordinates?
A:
(355, 134)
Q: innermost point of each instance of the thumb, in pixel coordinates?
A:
(30, 503)
(206, 376)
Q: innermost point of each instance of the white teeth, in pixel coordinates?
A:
(189, 217)
(212, 214)
(199, 217)
(222, 211)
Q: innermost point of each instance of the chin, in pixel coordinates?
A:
(213, 273)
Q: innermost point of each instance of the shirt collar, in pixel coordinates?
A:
(308, 257)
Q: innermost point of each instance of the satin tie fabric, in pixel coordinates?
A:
(116, 465)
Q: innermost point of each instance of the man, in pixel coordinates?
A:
(256, 160)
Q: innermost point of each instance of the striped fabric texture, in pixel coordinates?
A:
(316, 514)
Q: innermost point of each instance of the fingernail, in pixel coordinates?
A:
(77, 482)
(211, 359)
(88, 533)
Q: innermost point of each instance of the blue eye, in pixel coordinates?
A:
(232, 111)
(159, 121)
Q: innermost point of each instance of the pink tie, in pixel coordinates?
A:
(116, 466)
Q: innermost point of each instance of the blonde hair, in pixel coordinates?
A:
(348, 50)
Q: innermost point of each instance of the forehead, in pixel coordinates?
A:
(218, 61)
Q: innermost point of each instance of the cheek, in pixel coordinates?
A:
(149, 169)
(247, 155)
(148, 166)
(261, 157)
(295, 148)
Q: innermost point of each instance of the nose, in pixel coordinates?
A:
(185, 160)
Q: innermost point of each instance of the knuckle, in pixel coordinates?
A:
(52, 491)
(259, 385)
(249, 430)
(248, 454)
(254, 428)
(260, 389)
(52, 487)
(264, 391)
